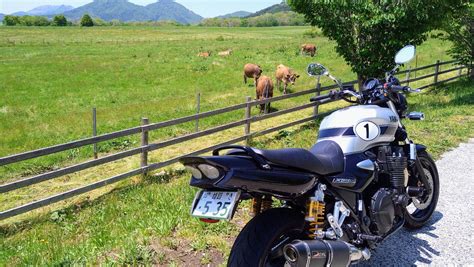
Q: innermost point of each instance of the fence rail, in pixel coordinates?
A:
(147, 127)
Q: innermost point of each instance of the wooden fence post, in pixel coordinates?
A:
(416, 64)
(144, 155)
(318, 93)
(436, 70)
(248, 113)
(94, 129)
(407, 77)
(198, 109)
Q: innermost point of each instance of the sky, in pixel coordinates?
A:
(205, 8)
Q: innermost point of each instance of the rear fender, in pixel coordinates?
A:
(243, 173)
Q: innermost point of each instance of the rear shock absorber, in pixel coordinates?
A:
(267, 202)
(315, 213)
(256, 206)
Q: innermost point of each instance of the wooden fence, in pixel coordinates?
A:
(146, 147)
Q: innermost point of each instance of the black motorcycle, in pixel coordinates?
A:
(363, 180)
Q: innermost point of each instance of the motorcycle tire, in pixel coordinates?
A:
(418, 218)
(261, 241)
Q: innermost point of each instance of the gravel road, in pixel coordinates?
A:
(448, 239)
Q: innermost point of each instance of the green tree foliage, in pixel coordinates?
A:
(460, 31)
(265, 20)
(60, 20)
(10, 20)
(86, 21)
(369, 33)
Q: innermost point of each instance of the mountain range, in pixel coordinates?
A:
(238, 14)
(126, 11)
(123, 10)
(282, 7)
(47, 10)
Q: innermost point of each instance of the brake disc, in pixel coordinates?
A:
(423, 204)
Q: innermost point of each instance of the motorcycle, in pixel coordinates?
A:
(363, 180)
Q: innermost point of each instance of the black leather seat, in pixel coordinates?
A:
(325, 157)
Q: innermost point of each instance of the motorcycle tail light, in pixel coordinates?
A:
(209, 171)
(194, 171)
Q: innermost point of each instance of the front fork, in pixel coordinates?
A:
(413, 151)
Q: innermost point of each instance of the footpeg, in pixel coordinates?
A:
(416, 116)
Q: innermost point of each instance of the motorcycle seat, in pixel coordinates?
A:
(325, 157)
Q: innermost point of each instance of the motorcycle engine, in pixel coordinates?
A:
(382, 210)
(392, 177)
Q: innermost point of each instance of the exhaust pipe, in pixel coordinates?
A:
(322, 253)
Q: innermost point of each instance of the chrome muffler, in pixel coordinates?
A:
(319, 253)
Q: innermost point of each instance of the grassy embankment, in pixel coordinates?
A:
(145, 222)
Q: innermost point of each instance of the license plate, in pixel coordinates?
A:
(217, 205)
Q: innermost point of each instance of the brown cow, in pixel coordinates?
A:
(308, 49)
(225, 53)
(204, 54)
(285, 75)
(264, 90)
(252, 71)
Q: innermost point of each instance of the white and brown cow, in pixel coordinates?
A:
(286, 76)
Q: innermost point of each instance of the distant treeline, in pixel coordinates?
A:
(60, 20)
(265, 20)
(10, 20)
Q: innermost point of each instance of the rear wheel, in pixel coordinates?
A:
(261, 241)
(421, 208)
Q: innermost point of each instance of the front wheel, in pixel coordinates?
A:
(421, 208)
(261, 241)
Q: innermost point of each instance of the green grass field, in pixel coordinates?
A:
(51, 78)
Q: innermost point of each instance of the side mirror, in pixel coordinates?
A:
(405, 54)
(316, 69)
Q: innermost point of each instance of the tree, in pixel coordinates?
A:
(369, 33)
(33, 21)
(59, 20)
(86, 21)
(460, 31)
(10, 20)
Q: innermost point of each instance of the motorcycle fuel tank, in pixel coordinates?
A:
(358, 128)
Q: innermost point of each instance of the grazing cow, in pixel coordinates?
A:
(264, 90)
(204, 54)
(308, 49)
(225, 53)
(285, 75)
(252, 71)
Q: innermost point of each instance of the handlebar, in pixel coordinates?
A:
(343, 93)
(404, 89)
(318, 98)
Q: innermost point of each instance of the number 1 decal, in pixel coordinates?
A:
(367, 130)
